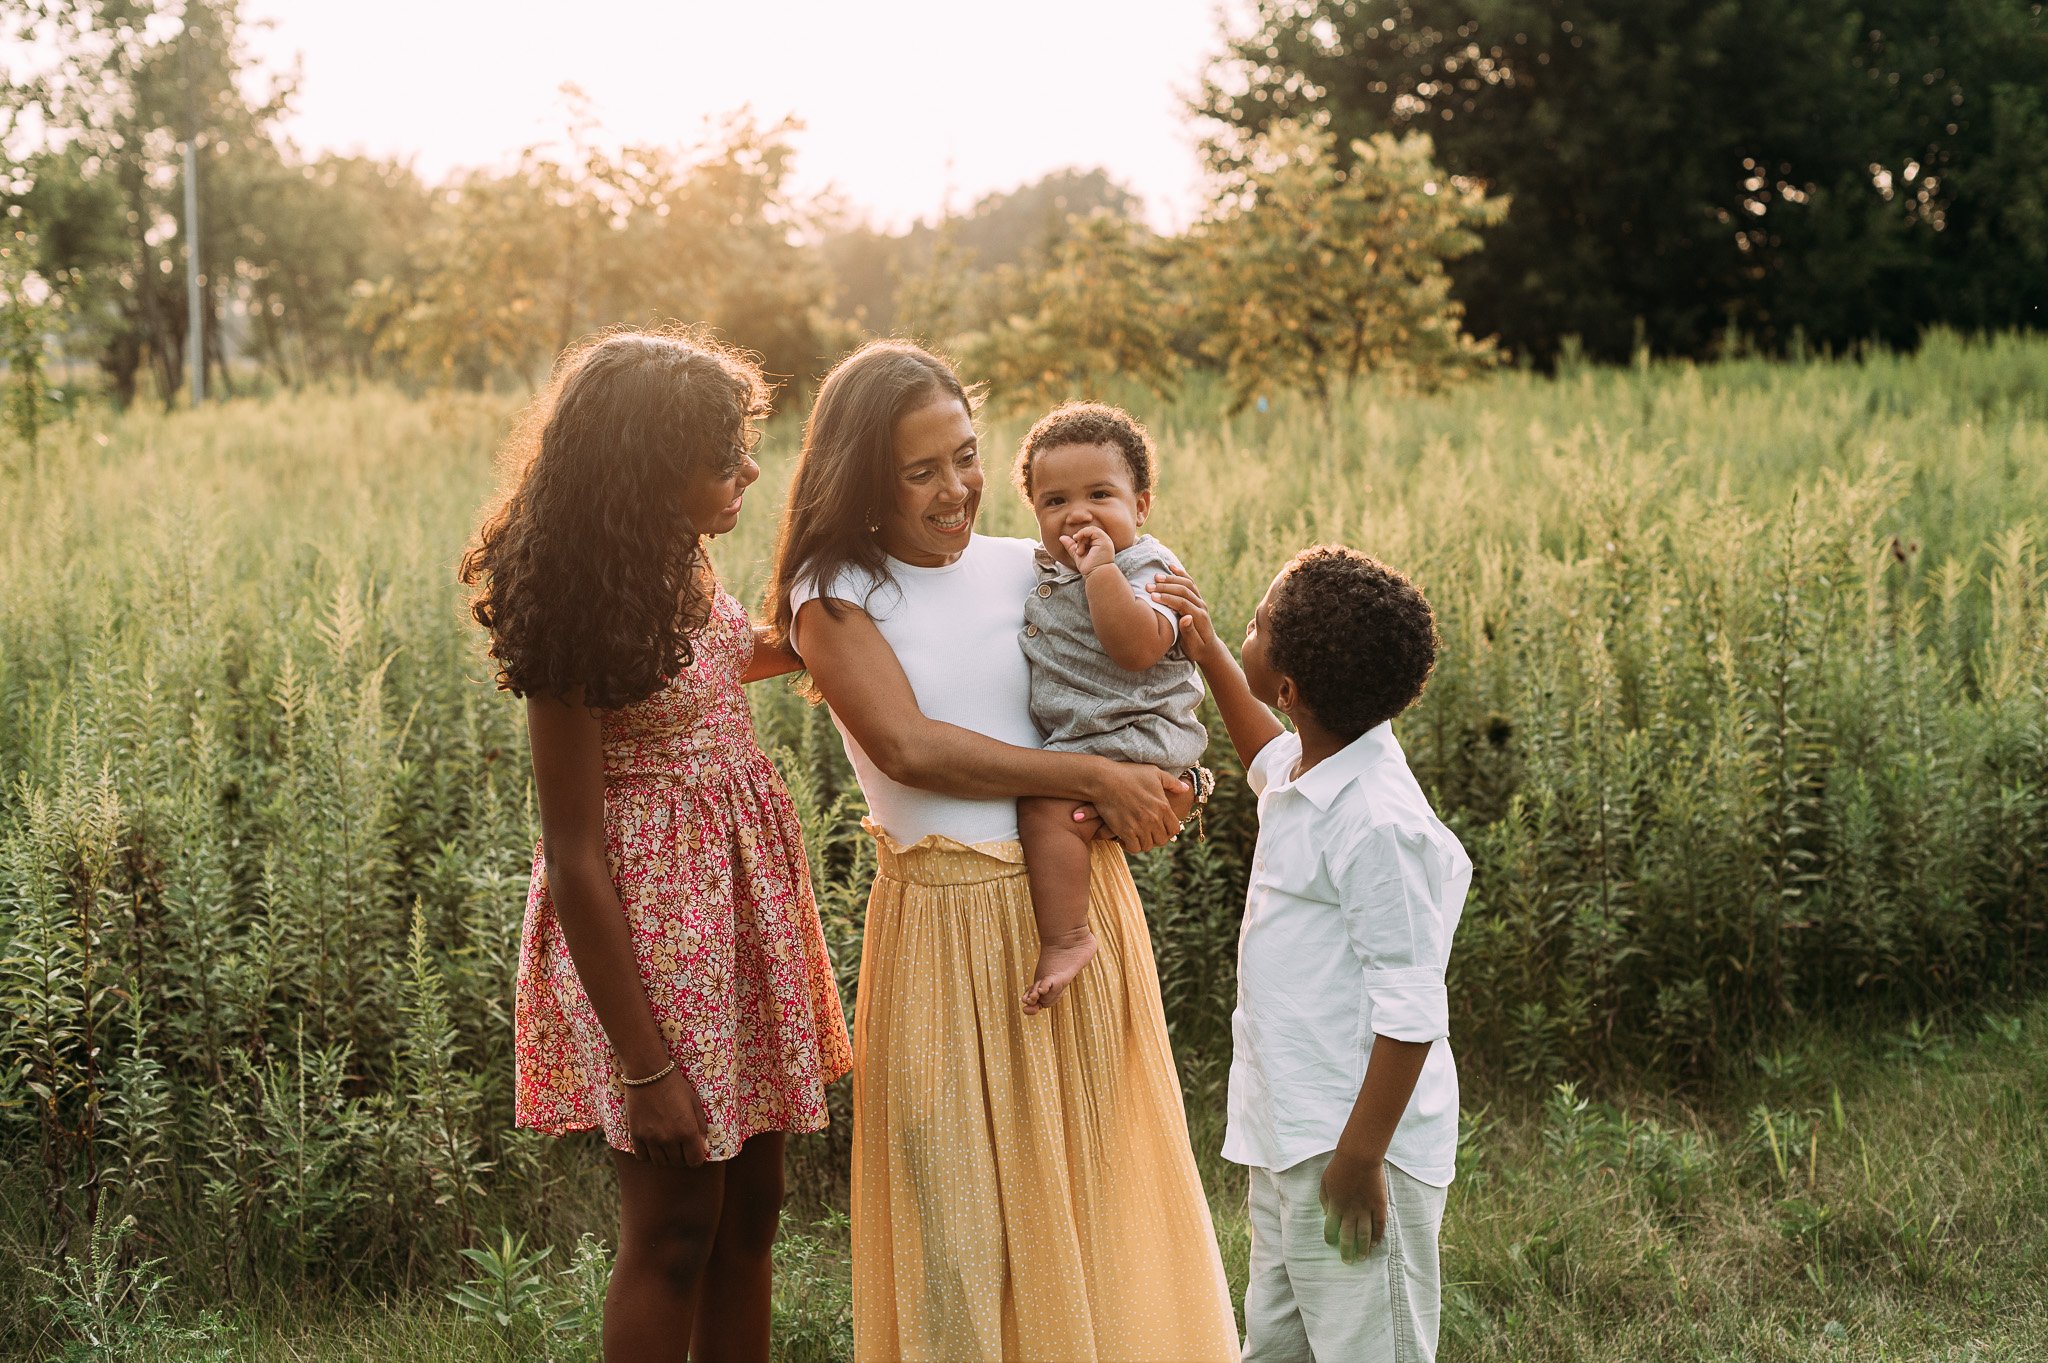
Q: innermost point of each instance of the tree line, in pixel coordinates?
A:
(1819, 172)
(1417, 188)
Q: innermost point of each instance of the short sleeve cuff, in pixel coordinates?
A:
(1409, 1005)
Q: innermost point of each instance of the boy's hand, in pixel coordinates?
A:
(1354, 1197)
(1175, 590)
(1090, 548)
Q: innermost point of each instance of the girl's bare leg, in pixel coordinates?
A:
(668, 1225)
(1056, 858)
(738, 1286)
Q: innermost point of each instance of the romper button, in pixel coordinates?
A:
(1031, 631)
(1045, 589)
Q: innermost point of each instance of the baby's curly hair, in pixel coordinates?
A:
(1088, 423)
(1356, 636)
(586, 572)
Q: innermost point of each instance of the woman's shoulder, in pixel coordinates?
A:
(1002, 553)
(852, 583)
(1004, 544)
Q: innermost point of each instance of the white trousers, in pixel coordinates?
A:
(1304, 1304)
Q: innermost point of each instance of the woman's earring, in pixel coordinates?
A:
(874, 523)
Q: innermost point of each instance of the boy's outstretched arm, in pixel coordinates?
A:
(1250, 723)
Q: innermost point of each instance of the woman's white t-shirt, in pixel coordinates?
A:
(957, 632)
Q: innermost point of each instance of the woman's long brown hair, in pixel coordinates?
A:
(587, 574)
(845, 478)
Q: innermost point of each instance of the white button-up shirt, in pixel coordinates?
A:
(1356, 888)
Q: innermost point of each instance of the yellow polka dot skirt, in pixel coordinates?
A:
(1023, 1188)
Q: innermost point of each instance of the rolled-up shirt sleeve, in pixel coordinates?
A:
(1388, 885)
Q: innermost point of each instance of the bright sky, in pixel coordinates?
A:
(910, 106)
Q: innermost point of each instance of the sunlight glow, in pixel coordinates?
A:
(910, 108)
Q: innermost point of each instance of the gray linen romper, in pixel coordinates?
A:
(1084, 702)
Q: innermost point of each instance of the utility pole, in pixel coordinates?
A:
(195, 336)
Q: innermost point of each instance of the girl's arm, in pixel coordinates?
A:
(770, 659)
(1133, 634)
(860, 677)
(1250, 723)
(664, 1119)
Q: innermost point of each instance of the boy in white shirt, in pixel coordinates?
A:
(1343, 1093)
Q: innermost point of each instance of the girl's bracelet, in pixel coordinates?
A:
(664, 1072)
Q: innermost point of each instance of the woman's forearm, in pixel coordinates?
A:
(864, 683)
(947, 759)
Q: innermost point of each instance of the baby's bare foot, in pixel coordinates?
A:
(1059, 961)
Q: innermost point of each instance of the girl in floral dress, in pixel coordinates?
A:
(673, 989)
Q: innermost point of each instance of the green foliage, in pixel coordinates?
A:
(1101, 306)
(879, 280)
(1304, 277)
(27, 312)
(1815, 172)
(511, 268)
(116, 90)
(1740, 713)
(813, 1320)
(533, 1314)
(1311, 275)
(110, 1309)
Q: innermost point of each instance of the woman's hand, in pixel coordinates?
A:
(1175, 590)
(1136, 802)
(666, 1122)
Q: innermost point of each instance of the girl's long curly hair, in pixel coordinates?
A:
(586, 571)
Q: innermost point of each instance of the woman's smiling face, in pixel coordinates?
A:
(937, 491)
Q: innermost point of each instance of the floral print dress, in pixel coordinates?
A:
(709, 865)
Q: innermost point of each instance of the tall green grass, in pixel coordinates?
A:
(1741, 713)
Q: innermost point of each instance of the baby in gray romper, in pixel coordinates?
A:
(1107, 673)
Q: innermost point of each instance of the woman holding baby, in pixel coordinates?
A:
(1022, 1181)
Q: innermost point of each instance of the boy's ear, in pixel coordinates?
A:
(1288, 696)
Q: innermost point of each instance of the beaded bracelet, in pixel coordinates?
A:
(664, 1072)
(1204, 783)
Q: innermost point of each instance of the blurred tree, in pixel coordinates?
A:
(513, 267)
(122, 85)
(1310, 276)
(28, 310)
(1681, 167)
(308, 240)
(884, 282)
(1102, 307)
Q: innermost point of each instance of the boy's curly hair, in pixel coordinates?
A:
(1356, 636)
(1088, 423)
(587, 574)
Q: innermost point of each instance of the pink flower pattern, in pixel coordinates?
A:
(708, 861)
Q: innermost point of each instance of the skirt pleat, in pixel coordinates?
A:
(1023, 1188)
